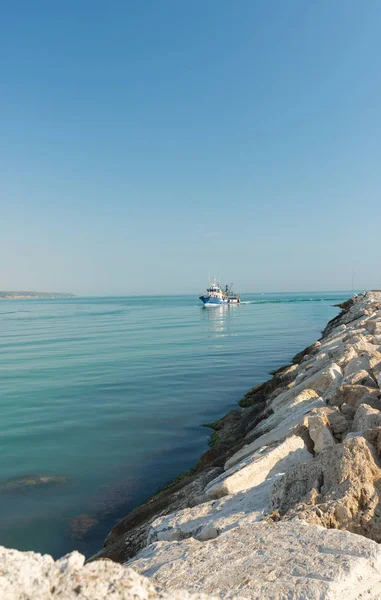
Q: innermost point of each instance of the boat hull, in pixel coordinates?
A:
(212, 301)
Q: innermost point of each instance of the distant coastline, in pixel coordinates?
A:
(34, 295)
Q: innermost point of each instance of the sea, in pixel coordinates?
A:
(103, 400)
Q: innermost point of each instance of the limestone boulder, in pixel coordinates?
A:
(348, 354)
(295, 403)
(31, 576)
(365, 361)
(374, 325)
(214, 517)
(361, 377)
(318, 362)
(334, 420)
(289, 424)
(338, 489)
(325, 379)
(361, 343)
(269, 561)
(318, 427)
(352, 394)
(374, 437)
(253, 470)
(365, 418)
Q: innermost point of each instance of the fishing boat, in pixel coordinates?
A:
(216, 295)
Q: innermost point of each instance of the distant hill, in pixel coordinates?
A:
(21, 295)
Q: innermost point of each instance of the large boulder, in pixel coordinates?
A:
(255, 469)
(339, 489)
(365, 361)
(374, 325)
(321, 381)
(31, 576)
(288, 423)
(269, 561)
(361, 377)
(318, 428)
(282, 408)
(210, 519)
(352, 394)
(365, 418)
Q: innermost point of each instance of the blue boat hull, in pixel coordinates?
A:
(212, 301)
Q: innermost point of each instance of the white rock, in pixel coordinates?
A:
(319, 432)
(30, 576)
(210, 519)
(282, 410)
(359, 378)
(288, 424)
(363, 362)
(325, 379)
(318, 362)
(347, 355)
(365, 418)
(255, 469)
(269, 561)
(374, 326)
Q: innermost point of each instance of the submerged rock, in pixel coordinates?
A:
(28, 482)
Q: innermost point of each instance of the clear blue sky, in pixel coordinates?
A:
(145, 145)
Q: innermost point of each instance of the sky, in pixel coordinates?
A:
(147, 145)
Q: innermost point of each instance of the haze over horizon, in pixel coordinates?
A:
(146, 146)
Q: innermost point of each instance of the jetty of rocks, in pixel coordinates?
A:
(285, 505)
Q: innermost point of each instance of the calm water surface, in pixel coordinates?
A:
(111, 393)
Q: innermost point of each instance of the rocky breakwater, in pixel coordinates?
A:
(286, 505)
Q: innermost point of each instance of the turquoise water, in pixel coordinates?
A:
(112, 392)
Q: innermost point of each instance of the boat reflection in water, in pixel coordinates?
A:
(220, 319)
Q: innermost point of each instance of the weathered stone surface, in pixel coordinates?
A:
(360, 363)
(312, 366)
(31, 576)
(210, 519)
(291, 421)
(347, 356)
(374, 325)
(352, 394)
(255, 469)
(269, 561)
(365, 361)
(359, 378)
(320, 432)
(348, 411)
(338, 489)
(319, 382)
(336, 421)
(365, 418)
(293, 404)
(362, 344)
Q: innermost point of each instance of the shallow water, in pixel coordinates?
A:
(107, 396)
